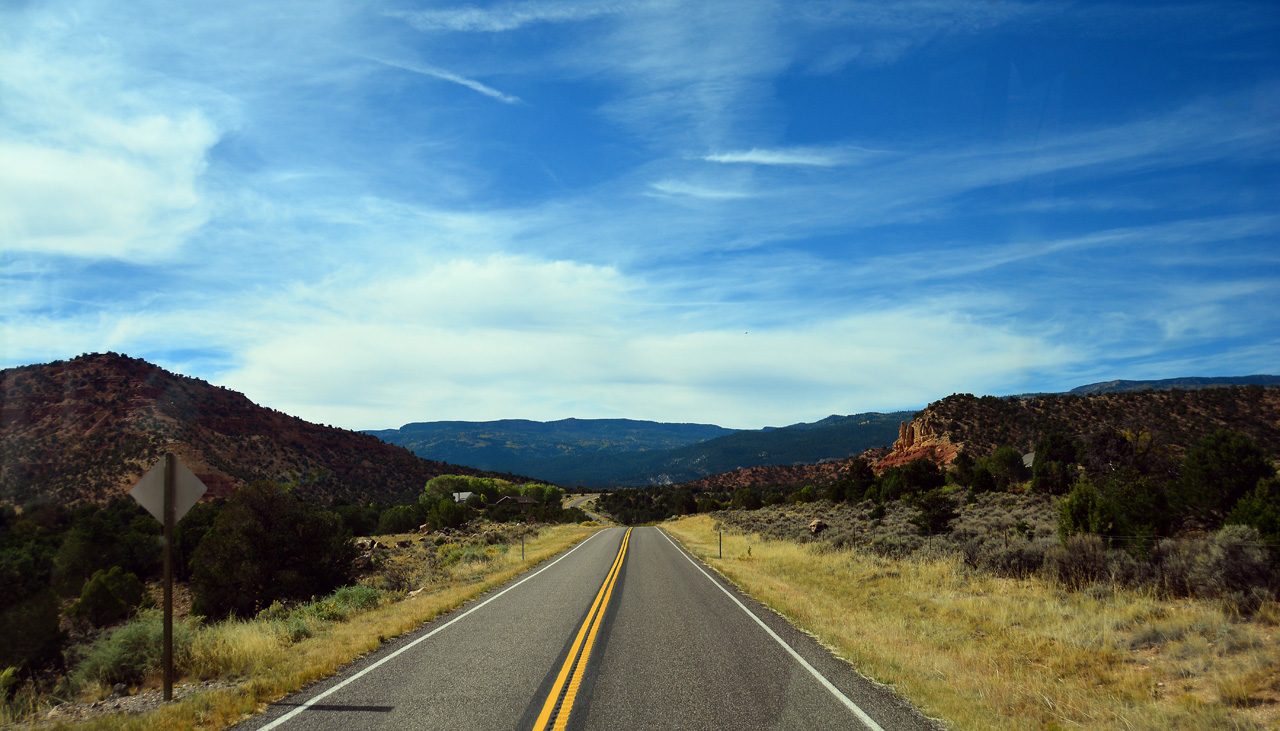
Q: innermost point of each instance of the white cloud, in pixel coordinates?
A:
(511, 337)
(793, 156)
(444, 75)
(507, 16)
(681, 188)
(91, 165)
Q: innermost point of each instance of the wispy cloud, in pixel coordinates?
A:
(681, 188)
(445, 75)
(507, 16)
(793, 156)
(90, 167)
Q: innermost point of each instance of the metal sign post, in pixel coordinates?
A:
(168, 576)
(168, 491)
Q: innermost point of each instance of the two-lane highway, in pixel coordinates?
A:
(624, 631)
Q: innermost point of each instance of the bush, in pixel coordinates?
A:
(109, 596)
(1017, 558)
(1232, 562)
(1080, 561)
(1123, 507)
(29, 633)
(1052, 478)
(1218, 471)
(1007, 467)
(746, 499)
(936, 510)
(1260, 509)
(134, 652)
(265, 546)
(398, 519)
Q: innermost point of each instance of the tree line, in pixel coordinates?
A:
(265, 543)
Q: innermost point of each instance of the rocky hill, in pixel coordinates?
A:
(87, 428)
(1176, 418)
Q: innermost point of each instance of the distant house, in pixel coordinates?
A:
(461, 497)
(520, 500)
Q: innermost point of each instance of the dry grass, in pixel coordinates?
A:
(984, 652)
(263, 652)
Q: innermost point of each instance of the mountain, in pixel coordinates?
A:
(1174, 419)
(605, 453)
(1175, 383)
(87, 428)
(511, 444)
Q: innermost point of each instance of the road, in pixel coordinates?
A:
(582, 503)
(623, 631)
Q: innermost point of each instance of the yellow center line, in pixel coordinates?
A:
(581, 649)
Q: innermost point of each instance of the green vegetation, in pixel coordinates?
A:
(610, 452)
(265, 552)
(266, 546)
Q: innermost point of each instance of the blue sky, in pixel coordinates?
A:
(746, 213)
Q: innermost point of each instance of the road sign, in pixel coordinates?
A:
(168, 491)
(187, 489)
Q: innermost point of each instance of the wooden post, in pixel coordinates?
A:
(168, 575)
(721, 543)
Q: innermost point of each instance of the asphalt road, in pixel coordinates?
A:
(582, 504)
(671, 647)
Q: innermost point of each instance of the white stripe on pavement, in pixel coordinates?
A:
(862, 716)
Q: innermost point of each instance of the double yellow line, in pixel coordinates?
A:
(560, 700)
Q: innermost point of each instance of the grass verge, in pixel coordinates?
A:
(284, 650)
(984, 652)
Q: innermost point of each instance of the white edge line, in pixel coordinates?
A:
(862, 716)
(409, 646)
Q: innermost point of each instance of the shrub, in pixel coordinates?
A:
(266, 545)
(936, 510)
(1218, 471)
(109, 596)
(1260, 509)
(1230, 562)
(133, 652)
(1081, 560)
(746, 499)
(1052, 478)
(398, 519)
(1233, 561)
(1007, 467)
(1123, 507)
(29, 633)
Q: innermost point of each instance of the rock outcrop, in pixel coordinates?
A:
(925, 436)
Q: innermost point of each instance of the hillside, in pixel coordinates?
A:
(1175, 418)
(511, 444)
(87, 428)
(1174, 383)
(606, 453)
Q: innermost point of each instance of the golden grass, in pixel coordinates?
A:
(983, 652)
(259, 651)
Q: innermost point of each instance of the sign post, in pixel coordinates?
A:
(168, 490)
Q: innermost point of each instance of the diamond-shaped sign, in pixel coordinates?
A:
(187, 489)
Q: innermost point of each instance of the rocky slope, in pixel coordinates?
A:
(1175, 418)
(87, 428)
